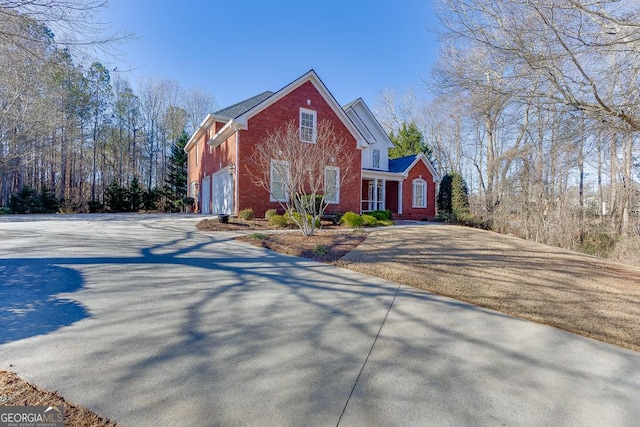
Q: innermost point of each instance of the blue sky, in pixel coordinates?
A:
(237, 49)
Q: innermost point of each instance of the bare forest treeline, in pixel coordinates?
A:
(537, 105)
(74, 126)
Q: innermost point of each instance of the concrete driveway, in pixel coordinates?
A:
(150, 322)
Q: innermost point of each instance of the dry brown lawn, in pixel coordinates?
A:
(589, 296)
(585, 295)
(15, 391)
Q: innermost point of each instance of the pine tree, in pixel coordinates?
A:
(409, 140)
(176, 182)
(453, 197)
(459, 196)
(135, 195)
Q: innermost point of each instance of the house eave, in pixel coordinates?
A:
(231, 127)
(375, 173)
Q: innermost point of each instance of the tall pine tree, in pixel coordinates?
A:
(176, 182)
(409, 140)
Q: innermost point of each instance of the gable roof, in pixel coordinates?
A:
(239, 108)
(368, 132)
(404, 164)
(241, 121)
(237, 115)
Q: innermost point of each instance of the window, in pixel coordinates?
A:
(307, 125)
(279, 180)
(332, 184)
(419, 193)
(376, 159)
(192, 189)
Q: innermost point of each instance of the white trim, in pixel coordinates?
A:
(390, 176)
(236, 178)
(373, 158)
(312, 77)
(423, 184)
(202, 129)
(225, 132)
(400, 201)
(427, 163)
(381, 130)
(336, 199)
(314, 125)
(272, 198)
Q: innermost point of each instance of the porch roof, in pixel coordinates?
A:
(376, 173)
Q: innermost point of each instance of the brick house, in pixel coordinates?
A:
(221, 149)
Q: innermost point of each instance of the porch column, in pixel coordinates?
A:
(384, 195)
(400, 197)
(375, 194)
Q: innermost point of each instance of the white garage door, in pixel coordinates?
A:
(206, 195)
(222, 192)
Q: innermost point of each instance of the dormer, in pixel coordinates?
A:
(375, 156)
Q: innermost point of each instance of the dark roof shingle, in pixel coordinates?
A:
(401, 164)
(242, 107)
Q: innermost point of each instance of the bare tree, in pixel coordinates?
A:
(197, 103)
(75, 24)
(307, 176)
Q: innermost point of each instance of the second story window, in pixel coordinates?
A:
(308, 125)
(376, 159)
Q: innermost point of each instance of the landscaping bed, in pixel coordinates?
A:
(325, 246)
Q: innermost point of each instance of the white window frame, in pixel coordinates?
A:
(273, 180)
(375, 159)
(313, 127)
(419, 189)
(334, 200)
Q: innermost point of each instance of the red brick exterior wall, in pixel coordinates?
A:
(210, 159)
(408, 211)
(277, 116)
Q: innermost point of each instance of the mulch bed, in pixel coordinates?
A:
(324, 246)
(234, 224)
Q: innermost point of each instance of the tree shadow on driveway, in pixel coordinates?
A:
(30, 302)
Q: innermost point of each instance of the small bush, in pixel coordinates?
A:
(5, 211)
(271, 212)
(351, 219)
(257, 236)
(369, 220)
(279, 221)
(294, 219)
(627, 250)
(381, 215)
(320, 250)
(246, 214)
(95, 207)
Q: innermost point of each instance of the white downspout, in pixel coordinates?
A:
(236, 192)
